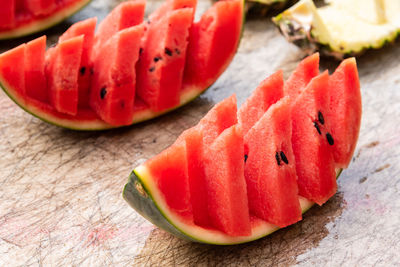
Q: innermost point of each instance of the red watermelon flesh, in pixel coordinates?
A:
(270, 168)
(267, 93)
(160, 69)
(170, 5)
(125, 15)
(14, 76)
(302, 75)
(170, 167)
(312, 142)
(40, 7)
(226, 185)
(113, 88)
(85, 28)
(7, 14)
(219, 118)
(35, 79)
(213, 41)
(345, 111)
(62, 72)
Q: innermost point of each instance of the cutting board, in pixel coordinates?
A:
(60, 193)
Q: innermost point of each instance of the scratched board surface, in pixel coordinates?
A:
(60, 193)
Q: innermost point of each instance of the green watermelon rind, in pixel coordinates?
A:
(44, 23)
(94, 124)
(141, 194)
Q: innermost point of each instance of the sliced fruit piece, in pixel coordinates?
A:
(170, 167)
(267, 93)
(213, 42)
(169, 6)
(31, 16)
(345, 111)
(87, 119)
(226, 186)
(85, 28)
(160, 69)
(35, 79)
(270, 168)
(15, 77)
(62, 72)
(302, 75)
(312, 141)
(327, 28)
(113, 88)
(197, 139)
(125, 15)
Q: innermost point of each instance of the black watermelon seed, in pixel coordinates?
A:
(284, 158)
(321, 118)
(245, 158)
(140, 51)
(103, 92)
(177, 51)
(91, 71)
(317, 127)
(152, 69)
(278, 160)
(157, 59)
(330, 139)
(168, 51)
(83, 70)
(148, 21)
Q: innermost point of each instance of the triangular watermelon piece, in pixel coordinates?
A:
(160, 69)
(226, 186)
(312, 142)
(345, 111)
(219, 118)
(85, 28)
(170, 167)
(270, 168)
(125, 15)
(213, 42)
(11, 75)
(169, 6)
(113, 87)
(62, 70)
(307, 69)
(35, 79)
(7, 14)
(267, 93)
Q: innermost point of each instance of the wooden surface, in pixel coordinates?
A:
(60, 194)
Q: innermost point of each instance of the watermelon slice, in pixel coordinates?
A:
(267, 93)
(160, 69)
(345, 105)
(85, 28)
(154, 93)
(113, 89)
(290, 163)
(311, 140)
(63, 72)
(35, 78)
(270, 168)
(125, 15)
(23, 17)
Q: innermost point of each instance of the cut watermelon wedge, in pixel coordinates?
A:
(196, 189)
(160, 80)
(31, 16)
